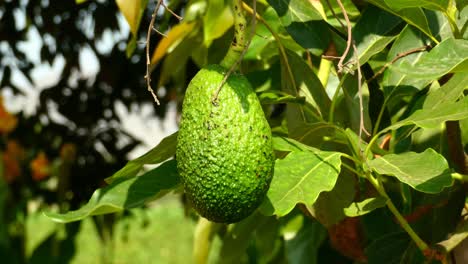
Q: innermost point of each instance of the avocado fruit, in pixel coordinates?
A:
(224, 147)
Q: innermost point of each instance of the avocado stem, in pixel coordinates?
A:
(239, 42)
(238, 46)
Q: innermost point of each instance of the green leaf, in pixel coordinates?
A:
(451, 55)
(335, 11)
(349, 108)
(163, 151)
(216, 21)
(434, 117)
(329, 207)
(426, 172)
(309, 84)
(365, 207)
(132, 11)
(289, 144)
(440, 5)
(304, 247)
(414, 16)
(313, 134)
(388, 249)
(374, 31)
(125, 193)
(295, 11)
(278, 98)
(448, 93)
(236, 240)
(311, 35)
(393, 80)
(460, 234)
(300, 178)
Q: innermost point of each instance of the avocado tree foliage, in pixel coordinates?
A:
(368, 108)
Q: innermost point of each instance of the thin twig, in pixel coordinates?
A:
(397, 57)
(233, 67)
(151, 28)
(349, 42)
(148, 60)
(335, 15)
(170, 11)
(362, 128)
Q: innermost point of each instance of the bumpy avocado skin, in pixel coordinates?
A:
(224, 150)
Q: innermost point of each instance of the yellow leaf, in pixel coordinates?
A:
(132, 11)
(319, 7)
(173, 38)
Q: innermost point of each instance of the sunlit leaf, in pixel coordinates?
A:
(440, 5)
(132, 11)
(433, 117)
(236, 240)
(300, 178)
(216, 21)
(374, 31)
(289, 144)
(275, 98)
(308, 84)
(460, 234)
(163, 151)
(414, 16)
(173, 38)
(304, 247)
(365, 207)
(126, 193)
(451, 55)
(426, 172)
(448, 93)
(329, 207)
(409, 39)
(295, 11)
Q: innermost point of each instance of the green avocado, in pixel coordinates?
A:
(224, 148)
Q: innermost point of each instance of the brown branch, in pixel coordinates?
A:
(148, 60)
(362, 128)
(148, 38)
(397, 57)
(349, 41)
(170, 11)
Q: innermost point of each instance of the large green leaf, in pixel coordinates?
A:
(313, 134)
(126, 193)
(426, 172)
(388, 249)
(441, 5)
(295, 11)
(365, 207)
(409, 39)
(434, 117)
(289, 144)
(329, 207)
(163, 151)
(216, 21)
(349, 108)
(309, 84)
(451, 55)
(461, 233)
(374, 31)
(304, 247)
(414, 16)
(236, 240)
(300, 178)
(448, 93)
